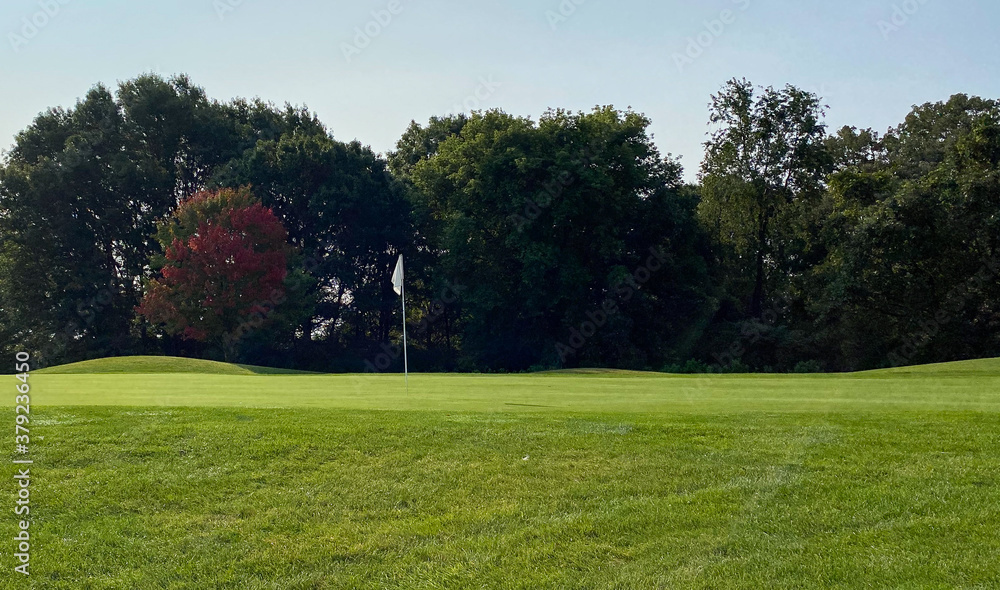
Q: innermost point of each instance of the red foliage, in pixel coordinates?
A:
(229, 268)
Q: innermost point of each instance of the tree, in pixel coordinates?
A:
(349, 218)
(78, 200)
(223, 269)
(80, 194)
(421, 142)
(764, 165)
(912, 234)
(544, 222)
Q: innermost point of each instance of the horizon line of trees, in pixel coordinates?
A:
(560, 242)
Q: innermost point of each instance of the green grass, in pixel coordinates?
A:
(559, 480)
(973, 368)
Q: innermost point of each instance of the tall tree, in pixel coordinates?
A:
(913, 240)
(81, 191)
(764, 164)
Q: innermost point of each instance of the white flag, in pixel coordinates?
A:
(397, 277)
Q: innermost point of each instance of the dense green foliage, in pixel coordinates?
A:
(544, 223)
(564, 480)
(560, 242)
(80, 194)
(350, 219)
(911, 232)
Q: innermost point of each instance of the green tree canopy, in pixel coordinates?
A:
(80, 193)
(764, 168)
(348, 216)
(544, 221)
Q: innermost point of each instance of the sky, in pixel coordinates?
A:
(369, 67)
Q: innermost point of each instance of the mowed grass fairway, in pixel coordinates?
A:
(232, 478)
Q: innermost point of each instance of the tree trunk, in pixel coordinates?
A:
(229, 349)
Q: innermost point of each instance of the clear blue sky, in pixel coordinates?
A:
(433, 54)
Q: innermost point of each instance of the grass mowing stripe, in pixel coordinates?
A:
(564, 393)
(248, 498)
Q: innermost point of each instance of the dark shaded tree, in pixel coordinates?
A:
(544, 222)
(912, 233)
(349, 218)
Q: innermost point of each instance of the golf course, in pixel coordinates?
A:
(155, 472)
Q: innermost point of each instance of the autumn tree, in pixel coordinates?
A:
(223, 269)
(348, 217)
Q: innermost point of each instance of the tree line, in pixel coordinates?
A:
(565, 241)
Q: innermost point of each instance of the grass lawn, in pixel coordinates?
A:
(150, 475)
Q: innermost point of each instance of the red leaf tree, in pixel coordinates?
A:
(223, 269)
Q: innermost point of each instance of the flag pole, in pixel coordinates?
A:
(406, 360)
(400, 289)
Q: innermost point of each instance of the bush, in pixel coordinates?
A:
(808, 367)
(691, 367)
(736, 367)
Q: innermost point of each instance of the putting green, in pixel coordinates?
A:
(163, 381)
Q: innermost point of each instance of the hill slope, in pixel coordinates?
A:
(160, 364)
(973, 368)
(166, 364)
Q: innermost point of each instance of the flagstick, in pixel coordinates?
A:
(406, 361)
